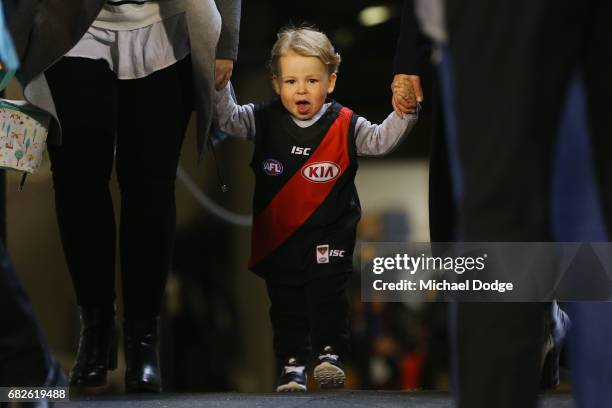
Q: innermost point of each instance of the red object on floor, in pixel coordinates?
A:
(411, 371)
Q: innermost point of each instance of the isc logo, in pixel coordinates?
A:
(305, 151)
(272, 167)
(324, 253)
(321, 172)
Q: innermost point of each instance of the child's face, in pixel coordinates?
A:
(303, 84)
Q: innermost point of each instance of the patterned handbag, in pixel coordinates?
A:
(23, 133)
(23, 127)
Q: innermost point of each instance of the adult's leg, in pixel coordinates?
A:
(598, 84)
(154, 112)
(25, 359)
(444, 189)
(85, 97)
(511, 62)
(153, 116)
(590, 354)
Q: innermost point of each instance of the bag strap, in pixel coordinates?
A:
(23, 180)
(5, 76)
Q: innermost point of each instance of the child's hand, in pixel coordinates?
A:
(406, 94)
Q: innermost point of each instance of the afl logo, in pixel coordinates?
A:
(321, 172)
(272, 167)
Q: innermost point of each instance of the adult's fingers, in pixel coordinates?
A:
(416, 85)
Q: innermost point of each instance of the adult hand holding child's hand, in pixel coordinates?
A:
(407, 93)
(223, 72)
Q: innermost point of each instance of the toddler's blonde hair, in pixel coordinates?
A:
(307, 42)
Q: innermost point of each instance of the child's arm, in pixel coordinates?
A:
(233, 119)
(376, 140)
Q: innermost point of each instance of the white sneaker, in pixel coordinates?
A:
(293, 377)
(329, 373)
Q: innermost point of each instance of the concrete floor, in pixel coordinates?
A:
(376, 399)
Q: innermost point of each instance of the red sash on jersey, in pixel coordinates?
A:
(299, 198)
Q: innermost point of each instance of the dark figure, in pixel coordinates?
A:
(25, 359)
(122, 78)
(512, 65)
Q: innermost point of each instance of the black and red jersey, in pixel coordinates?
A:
(305, 196)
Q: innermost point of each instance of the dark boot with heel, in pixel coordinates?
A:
(141, 339)
(97, 351)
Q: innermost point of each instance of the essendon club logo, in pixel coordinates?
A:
(272, 167)
(321, 172)
(322, 254)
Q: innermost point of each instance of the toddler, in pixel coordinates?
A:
(305, 206)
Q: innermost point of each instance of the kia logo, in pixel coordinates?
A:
(321, 172)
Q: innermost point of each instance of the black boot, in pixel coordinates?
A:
(97, 348)
(142, 372)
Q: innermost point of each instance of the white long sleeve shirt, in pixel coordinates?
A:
(371, 139)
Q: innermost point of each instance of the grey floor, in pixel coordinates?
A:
(376, 399)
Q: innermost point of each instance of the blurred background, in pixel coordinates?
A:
(216, 333)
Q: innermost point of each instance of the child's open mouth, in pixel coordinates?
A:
(303, 107)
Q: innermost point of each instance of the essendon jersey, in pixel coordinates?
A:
(305, 194)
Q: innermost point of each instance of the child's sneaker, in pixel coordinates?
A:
(293, 377)
(329, 372)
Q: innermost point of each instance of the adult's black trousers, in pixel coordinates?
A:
(513, 62)
(138, 125)
(25, 359)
